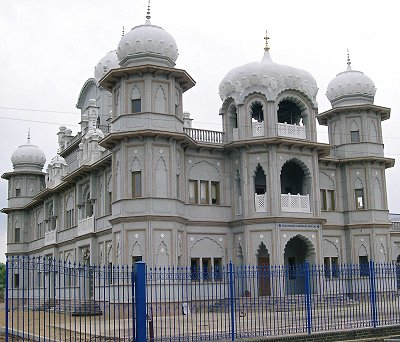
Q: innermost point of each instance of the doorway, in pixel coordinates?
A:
(263, 271)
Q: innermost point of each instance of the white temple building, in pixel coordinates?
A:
(139, 182)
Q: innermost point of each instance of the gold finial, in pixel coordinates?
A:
(266, 48)
(148, 16)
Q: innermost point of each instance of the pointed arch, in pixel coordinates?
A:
(298, 249)
(239, 255)
(160, 100)
(373, 131)
(354, 126)
(256, 108)
(136, 249)
(136, 94)
(362, 251)
(262, 250)
(136, 99)
(330, 249)
(378, 198)
(326, 181)
(295, 177)
(358, 183)
(162, 256)
(70, 203)
(161, 178)
(135, 165)
(199, 169)
(354, 132)
(382, 253)
(206, 247)
(260, 180)
(336, 134)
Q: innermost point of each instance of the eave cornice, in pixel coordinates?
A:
(111, 78)
(384, 112)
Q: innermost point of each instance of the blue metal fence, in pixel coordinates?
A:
(53, 300)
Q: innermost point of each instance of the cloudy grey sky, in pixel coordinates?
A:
(49, 49)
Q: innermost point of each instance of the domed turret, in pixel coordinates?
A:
(108, 62)
(28, 157)
(147, 43)
(268, 78)
(350, 87)
(58, 161)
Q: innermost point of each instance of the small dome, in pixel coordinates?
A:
(58, 161)
(28, 156)
(107, 63)
(96, 133)
(350, 87)
(268, 78)
(147, 42)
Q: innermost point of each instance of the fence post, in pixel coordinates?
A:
(7, 308)
(140, 301)
(372, 293)
(133, 271)
(308, 295)
(232, 300)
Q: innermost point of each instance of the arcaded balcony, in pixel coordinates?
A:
(260, 203)
(86, 226)
(291, 131)
(50, 237)
(295, 203)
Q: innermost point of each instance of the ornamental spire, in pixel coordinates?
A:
(29, 136)
(148, 16)
(123, 31)
(266, 48)
(348, 60)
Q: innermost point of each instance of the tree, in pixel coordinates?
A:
(2, 280)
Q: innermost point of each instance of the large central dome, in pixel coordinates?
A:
(147, 43)
(268, 78)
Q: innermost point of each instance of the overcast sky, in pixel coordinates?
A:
(49, 49)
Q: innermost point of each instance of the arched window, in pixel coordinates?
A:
(260, 189)
(295, 186)
(359, 194)
(108, 195)
(257, 111)
(257, 118)
(70, 215)
(136, 100)
(51, 218)
(136, 175)
(289, 112)
(354, 132)
(39, 223)
(260, 183)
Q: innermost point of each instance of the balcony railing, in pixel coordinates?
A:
(203, 135)
(295, 203)
(235, 134)
(291, 131)
(258, 129)
(50, 237)
(260, 203)
(86, 226)
(396, 225)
